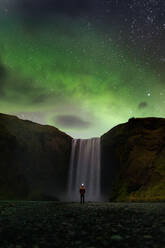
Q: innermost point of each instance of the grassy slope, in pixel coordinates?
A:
(138, 149)
(34, 159)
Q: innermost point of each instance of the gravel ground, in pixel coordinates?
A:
(110, 225)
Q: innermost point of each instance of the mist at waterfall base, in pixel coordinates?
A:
(85, 169)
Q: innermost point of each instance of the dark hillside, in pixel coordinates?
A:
(34, 160)
(133, 160)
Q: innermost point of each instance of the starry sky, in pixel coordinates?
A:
(82, 66)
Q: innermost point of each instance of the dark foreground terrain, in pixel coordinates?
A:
(50, 224)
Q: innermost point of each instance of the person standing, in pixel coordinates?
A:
(82, 193)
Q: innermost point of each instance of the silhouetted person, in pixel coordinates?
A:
(82, 193)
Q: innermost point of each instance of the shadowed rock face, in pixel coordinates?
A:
(133, 161)
(34, 160)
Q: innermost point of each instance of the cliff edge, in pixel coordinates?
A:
(34, 160)
(133, 161)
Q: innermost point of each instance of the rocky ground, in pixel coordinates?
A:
(50, 224)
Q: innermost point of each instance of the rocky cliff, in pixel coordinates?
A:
(34, 160)
(133, 161)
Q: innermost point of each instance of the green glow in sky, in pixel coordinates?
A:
(73, 76)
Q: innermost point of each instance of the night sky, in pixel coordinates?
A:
(83, 66)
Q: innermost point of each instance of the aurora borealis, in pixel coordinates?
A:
(82, 66)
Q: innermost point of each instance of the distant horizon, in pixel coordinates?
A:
(70, 133)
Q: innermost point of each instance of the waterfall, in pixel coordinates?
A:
(84, 168)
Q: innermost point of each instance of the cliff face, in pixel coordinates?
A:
(133, 161)
(34, 160)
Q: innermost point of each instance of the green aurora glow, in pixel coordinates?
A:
(68, 69)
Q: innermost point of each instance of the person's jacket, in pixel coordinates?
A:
(82, 190)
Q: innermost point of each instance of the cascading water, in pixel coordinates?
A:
(85, 168)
